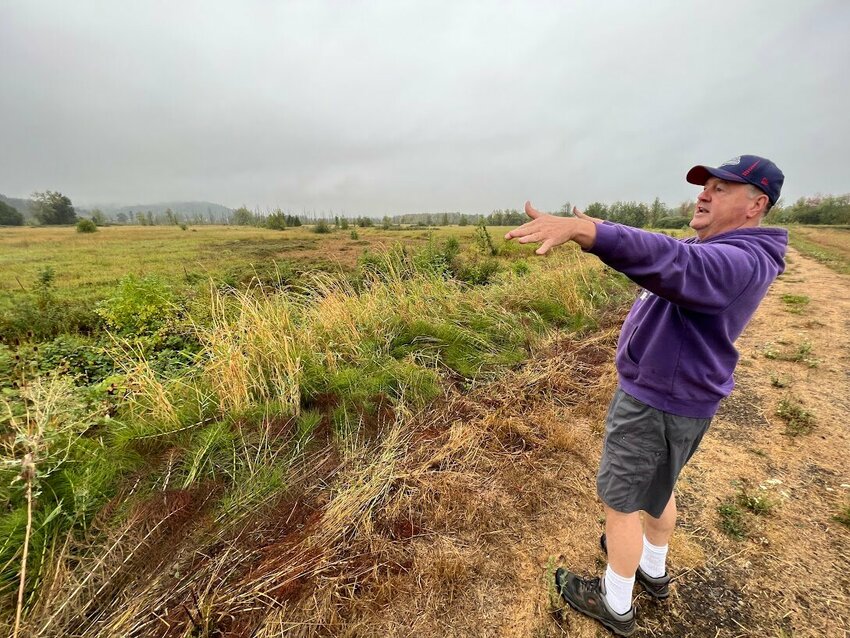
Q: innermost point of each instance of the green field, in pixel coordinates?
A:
(225, 361)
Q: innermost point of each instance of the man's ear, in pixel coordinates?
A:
(758, 206)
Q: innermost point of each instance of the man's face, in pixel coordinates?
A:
(723, 206)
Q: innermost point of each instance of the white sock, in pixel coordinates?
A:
(618, 591)
(653, 561)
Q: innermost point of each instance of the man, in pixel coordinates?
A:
(675, 359)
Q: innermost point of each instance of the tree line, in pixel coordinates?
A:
(54, 208)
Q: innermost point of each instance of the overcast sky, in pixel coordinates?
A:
(388, 107)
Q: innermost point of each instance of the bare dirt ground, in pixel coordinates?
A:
(501, 490)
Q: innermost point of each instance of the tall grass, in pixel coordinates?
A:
(321, 371)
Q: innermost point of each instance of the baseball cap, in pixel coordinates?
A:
(744, 169)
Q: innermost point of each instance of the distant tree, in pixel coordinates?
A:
(98, 217)
(343, 223)
(131, 216)
(121, 218)
(445, 220)
(276, 221)
(428, 220)
(51, 208)
(386, 223)
(243, 217)
(566, 210)
(171, 217)
(598, 210)
(657, 211)
(9, 216)
(463, 221)
(149, 218)
(321, 227)
(629, 213)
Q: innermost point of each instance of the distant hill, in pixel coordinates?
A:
(187, 210)
(21, 205)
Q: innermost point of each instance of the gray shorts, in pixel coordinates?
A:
(644, 451)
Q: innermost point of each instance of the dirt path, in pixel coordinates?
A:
(511, 494)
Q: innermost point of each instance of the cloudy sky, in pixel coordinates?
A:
(389, 107)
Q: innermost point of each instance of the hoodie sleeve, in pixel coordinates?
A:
(700, 277)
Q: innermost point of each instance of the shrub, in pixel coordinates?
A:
(322, 227)
(354, 234)
(140, 306)
(86, 226)
(672, 222)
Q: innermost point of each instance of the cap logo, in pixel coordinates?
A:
(764, 181)
(732, 162)
(750, 168)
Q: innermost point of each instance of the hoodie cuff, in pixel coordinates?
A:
(607, 240)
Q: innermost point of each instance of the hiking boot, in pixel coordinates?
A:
(588, 597)
(658, 588)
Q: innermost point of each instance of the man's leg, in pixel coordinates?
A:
(624, 537)
(659, 530)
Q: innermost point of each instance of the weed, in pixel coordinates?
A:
(795, 303)
(756, 503)
(732, 519)
(483, 241)
(797, 419)
(801, 354)
(780, 380)
(843, 515)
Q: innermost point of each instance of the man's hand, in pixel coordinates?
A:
(553, 231)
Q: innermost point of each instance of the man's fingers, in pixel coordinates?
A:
(519, 231)
(527, 239)
(531, 211)
(544, 247)
(581, 215)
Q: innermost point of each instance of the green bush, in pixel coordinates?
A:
(86, 226)
(140, 306)
(672, 222)
(322, 227)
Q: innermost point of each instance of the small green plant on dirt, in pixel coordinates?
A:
(795, 303)
(354, 235)
(797, 419)
(780, 380)
(843, 515)
(755, 502)
(732, 521)
(802, 354)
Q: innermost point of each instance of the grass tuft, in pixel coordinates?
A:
(797, 419)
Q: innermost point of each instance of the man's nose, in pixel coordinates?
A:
(703, 196)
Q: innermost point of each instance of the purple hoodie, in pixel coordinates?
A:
(676, 350)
